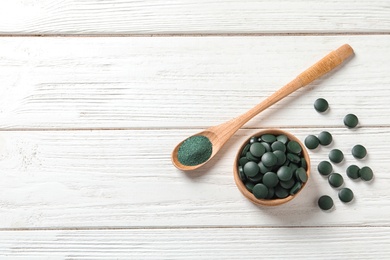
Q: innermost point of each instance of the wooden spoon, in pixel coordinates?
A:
(220, 134)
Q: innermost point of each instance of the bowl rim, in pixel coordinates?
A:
(240, 184)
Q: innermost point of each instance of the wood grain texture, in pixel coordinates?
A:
(211, 243)
(87, 125)
(125, 179)
(204, 16)
(165, 82)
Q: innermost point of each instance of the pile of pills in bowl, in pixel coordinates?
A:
(336, 156)
(272, 166)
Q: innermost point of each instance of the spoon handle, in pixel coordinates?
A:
(323, 66)
(326, 64)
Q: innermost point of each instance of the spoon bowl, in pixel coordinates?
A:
(220, 134)
(216, 146)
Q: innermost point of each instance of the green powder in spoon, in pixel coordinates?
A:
(195, 150)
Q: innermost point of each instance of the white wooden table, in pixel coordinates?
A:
(95, 94)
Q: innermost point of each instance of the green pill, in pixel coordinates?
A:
(260, 191)
(359, 151)
(263, 169)
(325, 138)
(267, 146)
(270, 179)
(287, 184)
(351, 121)
(251, 169)
(311, 142)
(325, 168)
(281, 192)
(325, 202)
(295, 188)
(252, 140)
(282, 138)
(294, 147)
(301, 174)
(293, 158)
(280, 157)
(245, 150)
(278, 146)
(284, 173)
(271, 193)
(336, 156)
(303, 163)
(366, 173)
(353, 172)
(241, 173)
(268, 138)
(250, 157)
(269, 159)
(257, 178)
(321, 105)
(242, 161)
(257, 149)
(335, 180)
(249, 186)
(293, 167)
(345, 195)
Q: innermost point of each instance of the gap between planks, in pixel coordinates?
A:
(174, 128)
(70, 35)
(186, 227)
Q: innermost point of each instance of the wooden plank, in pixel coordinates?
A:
(212, 243)
(202, 16)
(186, 82)
(125, 179)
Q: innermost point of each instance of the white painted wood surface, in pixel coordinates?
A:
(198, 243)
(87, 125)
(193, 16)
(135, 82)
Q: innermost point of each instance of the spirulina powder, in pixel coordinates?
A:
(195, 150)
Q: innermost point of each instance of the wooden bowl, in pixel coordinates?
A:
(241, 185)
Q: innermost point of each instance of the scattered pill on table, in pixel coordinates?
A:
(351, 121)
(325, 138)
(359, 151)
(325, 202)
(325, 168)
(366, 173)
(346, 195)
(353, 172)
(321, 105)
(335, 180)
(336, 156)
(311, 142)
